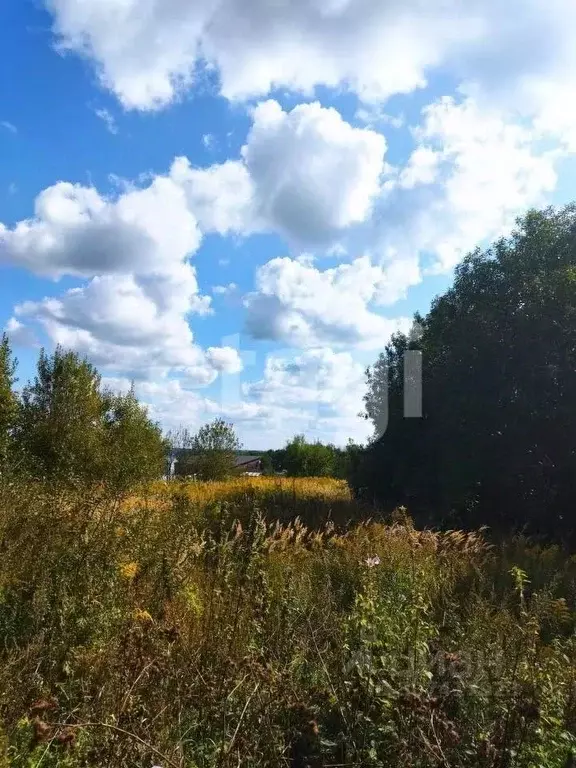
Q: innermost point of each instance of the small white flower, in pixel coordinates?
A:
(371, 562)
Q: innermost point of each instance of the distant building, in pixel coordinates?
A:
(248, 465)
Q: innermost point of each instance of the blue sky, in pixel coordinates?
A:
(236, 204)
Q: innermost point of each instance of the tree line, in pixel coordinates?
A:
(210, 454)
(303, 458)
(496, 444)
(64, 427)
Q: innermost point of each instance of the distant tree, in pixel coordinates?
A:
(346, 460)
(303, 459)
(72, 430)
(62, 419)
(267, 464)
(277, 457)
(134, 449)
(496, 443)
(8, 400)
(210, 454)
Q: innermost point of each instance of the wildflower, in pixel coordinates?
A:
(128, 570)
(41, 731)
(66, 737)
(193, 599)
(143, 616)
(372, 562)
(41, 706)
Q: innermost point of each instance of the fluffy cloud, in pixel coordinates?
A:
(421, 168)
(321, 390)
(318, 391)
(471, 174)
(221, 196)
(306, 173)
(313, 173)
(302, 306)
(77, 231)
(224, 290)
(225, 359)
(137, 325)
(151, 53)
(309, 175)
(20, 335)
(132, 316)
(174, 404)
(319, 376)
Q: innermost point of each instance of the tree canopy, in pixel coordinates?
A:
(8, 399)
(496, 444)
(304, 459)
(209, 454)
(68, 428)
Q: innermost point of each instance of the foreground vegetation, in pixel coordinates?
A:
(184, 627)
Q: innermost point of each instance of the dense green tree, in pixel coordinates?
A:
(8, 400)
(267, 464)
(496, 441)
(277, 457)
(72, 430)
(304, 459)
(300, 458)
(209, 454)
(62, 419)
(346, 460)
(134, 450)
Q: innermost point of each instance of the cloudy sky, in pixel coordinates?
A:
(234, 203)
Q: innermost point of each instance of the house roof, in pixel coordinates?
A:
(241, 460)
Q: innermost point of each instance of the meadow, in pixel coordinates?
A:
(267, 622)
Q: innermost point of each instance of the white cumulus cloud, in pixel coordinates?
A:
(471, 174)
(300, 305)
(132, 315)
(134, 325)
(305, 173)
(514, 52)
(319, 391)
(313, 173)
(77, 231)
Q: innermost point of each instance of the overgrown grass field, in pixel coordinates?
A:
(203, 626)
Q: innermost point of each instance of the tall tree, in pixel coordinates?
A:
(62, 422)
(8, 400)
(496, 443)
(72, 430)
(210, 454)
(304, 459)
(134, 450)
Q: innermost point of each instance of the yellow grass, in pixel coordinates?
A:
(308, 487)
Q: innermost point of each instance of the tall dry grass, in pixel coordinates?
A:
(195, 627)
